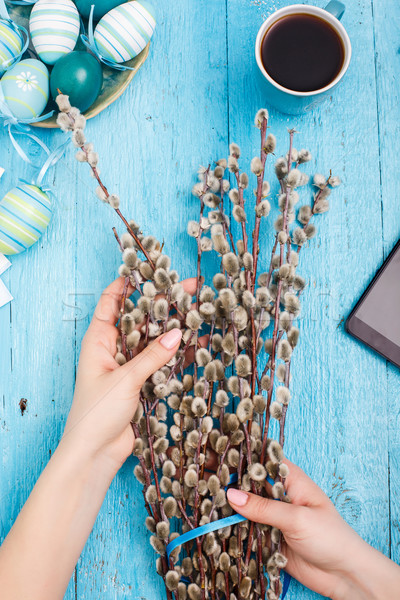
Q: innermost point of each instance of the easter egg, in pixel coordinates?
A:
(54, 27)
(101, 7)
(26, 88)
(11, 43)
(78, 75)
(125, 31)
(25, 213)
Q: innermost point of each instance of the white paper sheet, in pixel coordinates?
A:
(5, 295)
(4, 263)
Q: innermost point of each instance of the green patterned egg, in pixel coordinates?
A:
(26, 88)
(54, 26)
(25, 213)
(11, 43)
(125, 31)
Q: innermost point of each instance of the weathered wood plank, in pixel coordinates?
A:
(151, 142)
(173, 118)
(37, 343)
(334, 430)
(387, 69)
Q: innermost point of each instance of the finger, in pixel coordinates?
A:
(263, 510)
(152, 358)
(301, 489)
(190, 352)
(108, 308)
(101, 337)
(211, 460)
(107, 311)
(190, 285)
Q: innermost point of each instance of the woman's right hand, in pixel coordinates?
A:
(324, 553)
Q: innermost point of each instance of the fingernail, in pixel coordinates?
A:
(237, 497)
(171, 338)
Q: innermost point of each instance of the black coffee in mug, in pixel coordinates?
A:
(302, 52)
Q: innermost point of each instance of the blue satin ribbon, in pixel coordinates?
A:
(3, 11)
(90, 43)
(203, 530)
(220, 524)
(51, 160)
(17, 127)
(286, 582)
(213, 526)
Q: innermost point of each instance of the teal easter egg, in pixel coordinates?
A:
(101, 7)
(11, 43)
(125, 31)
(54, 26)
(25, 213)
(78, 75)
(26, 88)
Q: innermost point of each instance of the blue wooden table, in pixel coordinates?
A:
(196, 93)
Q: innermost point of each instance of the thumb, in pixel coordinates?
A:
(153, 357)
(263, 510)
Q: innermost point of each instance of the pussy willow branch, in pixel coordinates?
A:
(260, 180)
(244, 342)
(225, 227)
(277, 301)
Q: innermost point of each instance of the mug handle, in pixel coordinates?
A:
(336, 8)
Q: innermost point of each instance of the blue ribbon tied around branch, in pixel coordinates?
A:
(215, 526)
(90, 43)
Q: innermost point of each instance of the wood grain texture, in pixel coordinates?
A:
(387, 68)
(197, 92)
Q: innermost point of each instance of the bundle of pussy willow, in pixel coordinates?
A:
(241, 329)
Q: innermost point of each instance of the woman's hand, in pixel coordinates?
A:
(106, 394)
(324, 553)
(53, 526)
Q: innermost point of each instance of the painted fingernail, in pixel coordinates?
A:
(237, 497)
(170, 339)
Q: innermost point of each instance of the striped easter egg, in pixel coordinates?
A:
(25, 213)
(11, 43)
(125, 31)
(26, 88)
(54, 27)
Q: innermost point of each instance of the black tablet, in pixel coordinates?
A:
(375, 320)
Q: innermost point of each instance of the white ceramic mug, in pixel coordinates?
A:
(290, 101)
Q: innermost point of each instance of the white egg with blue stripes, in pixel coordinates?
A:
(25, 212)
(54, 26)
(11, 43)
(26, 88)
(125, 31)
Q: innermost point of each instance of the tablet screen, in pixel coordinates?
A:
(376, 318)
(380, 308)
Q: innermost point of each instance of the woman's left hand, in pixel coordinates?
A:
(106, 394)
